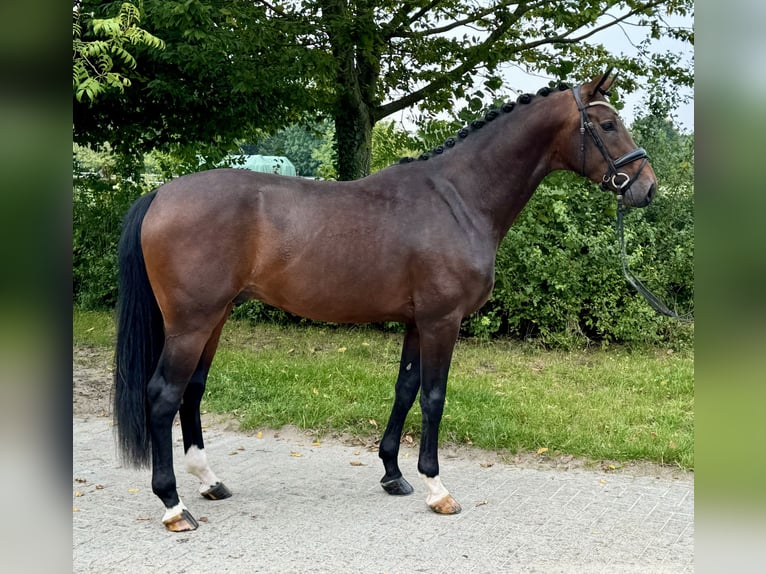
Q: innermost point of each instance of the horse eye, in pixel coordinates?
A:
(608, 126)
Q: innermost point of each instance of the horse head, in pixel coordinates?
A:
(601, 148)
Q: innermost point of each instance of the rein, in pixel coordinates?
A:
(654, 301)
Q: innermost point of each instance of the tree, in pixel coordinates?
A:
(226, 73)
(230, 68)
(387, 56)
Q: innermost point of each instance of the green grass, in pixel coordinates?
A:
(614, 404)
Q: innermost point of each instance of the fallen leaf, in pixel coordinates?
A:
(373, 422)
(486, 464)
(357, 463)
(100, 487)
(295, 454)
(602, 481)
(672, 445)
(482, 502)
(316, 443)
(75, 509)
(80, 480)
(259, 434)
(77, 493)
(341, 349)
(315, 391)
(541, 450)
(202, 519)
(132, 490)
(143, 518)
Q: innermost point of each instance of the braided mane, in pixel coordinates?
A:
(477, 124)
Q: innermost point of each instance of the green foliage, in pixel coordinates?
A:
(100, 64)
(326, 155)
(559, 274)
(100, 198)
(225, 73)
(296, 142)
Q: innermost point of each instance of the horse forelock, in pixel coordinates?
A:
(489, 117)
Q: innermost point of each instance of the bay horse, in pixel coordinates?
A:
(413, 243)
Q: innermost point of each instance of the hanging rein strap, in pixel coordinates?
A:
(619, 180)
(654, 301)
(613, 177)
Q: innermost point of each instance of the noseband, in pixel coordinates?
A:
(619, 181)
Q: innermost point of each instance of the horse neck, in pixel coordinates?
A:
(499, 170)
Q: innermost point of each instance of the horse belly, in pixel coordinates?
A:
(333, 299)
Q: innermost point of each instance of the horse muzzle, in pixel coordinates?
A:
(635, 193)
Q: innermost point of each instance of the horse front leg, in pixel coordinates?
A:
(407, 385)
(437, 343)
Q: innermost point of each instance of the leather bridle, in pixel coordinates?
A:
(618, 180)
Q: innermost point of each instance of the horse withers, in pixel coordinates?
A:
(413, 243)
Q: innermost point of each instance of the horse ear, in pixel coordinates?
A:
(603, 84)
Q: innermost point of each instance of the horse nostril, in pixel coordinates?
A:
(652, 190)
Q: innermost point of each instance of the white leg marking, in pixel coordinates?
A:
(436, 490)
(196, 464)
(173, 512)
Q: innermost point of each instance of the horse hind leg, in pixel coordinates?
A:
(195, 457)
(407, 385)
(165, 391)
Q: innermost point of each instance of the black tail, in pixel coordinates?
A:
(140, 337)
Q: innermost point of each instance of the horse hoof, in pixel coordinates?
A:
(183, 522)
(397, 486)
(446, 505)
(217, 492)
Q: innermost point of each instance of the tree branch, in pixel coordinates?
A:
(564, 39)
(452, 25)
(474, 57)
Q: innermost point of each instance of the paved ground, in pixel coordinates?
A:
(302, 508)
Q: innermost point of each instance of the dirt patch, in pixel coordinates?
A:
(92, 396)
(92, 382)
